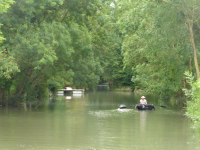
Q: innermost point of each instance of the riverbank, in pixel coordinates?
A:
(123, 89)
(128, 89)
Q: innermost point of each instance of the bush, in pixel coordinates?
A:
(193, 99)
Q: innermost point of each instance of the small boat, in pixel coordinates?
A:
(141, 107)
(144, 107)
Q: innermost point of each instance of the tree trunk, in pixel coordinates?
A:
(110, 85)
(2, 97)
(190, 65)
(191, 35)
(193, 46)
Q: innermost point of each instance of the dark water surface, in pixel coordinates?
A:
(93, 122)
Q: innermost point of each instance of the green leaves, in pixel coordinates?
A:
(51, 44)
(155, 45)
(8, 66)
(193, 97)
(4, 5)
(57, 43)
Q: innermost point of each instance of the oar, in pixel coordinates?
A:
(161, 106)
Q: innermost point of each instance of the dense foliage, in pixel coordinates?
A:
(156, 44)
(57, 43)
(193, 97)
(143, 44)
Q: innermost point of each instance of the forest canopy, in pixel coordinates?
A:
(143, 44)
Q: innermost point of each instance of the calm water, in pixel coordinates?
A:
(93, 121)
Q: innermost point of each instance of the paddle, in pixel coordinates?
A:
(161, 106)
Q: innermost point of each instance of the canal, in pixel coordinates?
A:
(92, 121)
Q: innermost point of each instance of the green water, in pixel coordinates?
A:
(93, 122)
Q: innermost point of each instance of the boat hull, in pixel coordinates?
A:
(145, 107)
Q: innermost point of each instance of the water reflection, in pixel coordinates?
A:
(68, 97)
(95, 122)
(143, 118)
(78, 95)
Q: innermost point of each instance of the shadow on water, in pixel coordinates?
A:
(103, 87)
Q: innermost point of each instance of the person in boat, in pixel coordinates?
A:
(143, 101)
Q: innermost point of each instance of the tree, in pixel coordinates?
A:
(155, 45)
(106, 42)
(7, 64)
(51, 45)
(190, 9)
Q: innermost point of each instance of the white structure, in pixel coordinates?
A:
(78, 91)
(60, 92)
(69, 89)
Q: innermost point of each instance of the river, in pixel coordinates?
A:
(92, 121)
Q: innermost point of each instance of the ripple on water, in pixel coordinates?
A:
(110, 113)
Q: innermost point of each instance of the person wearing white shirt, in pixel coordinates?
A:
(143, 101)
